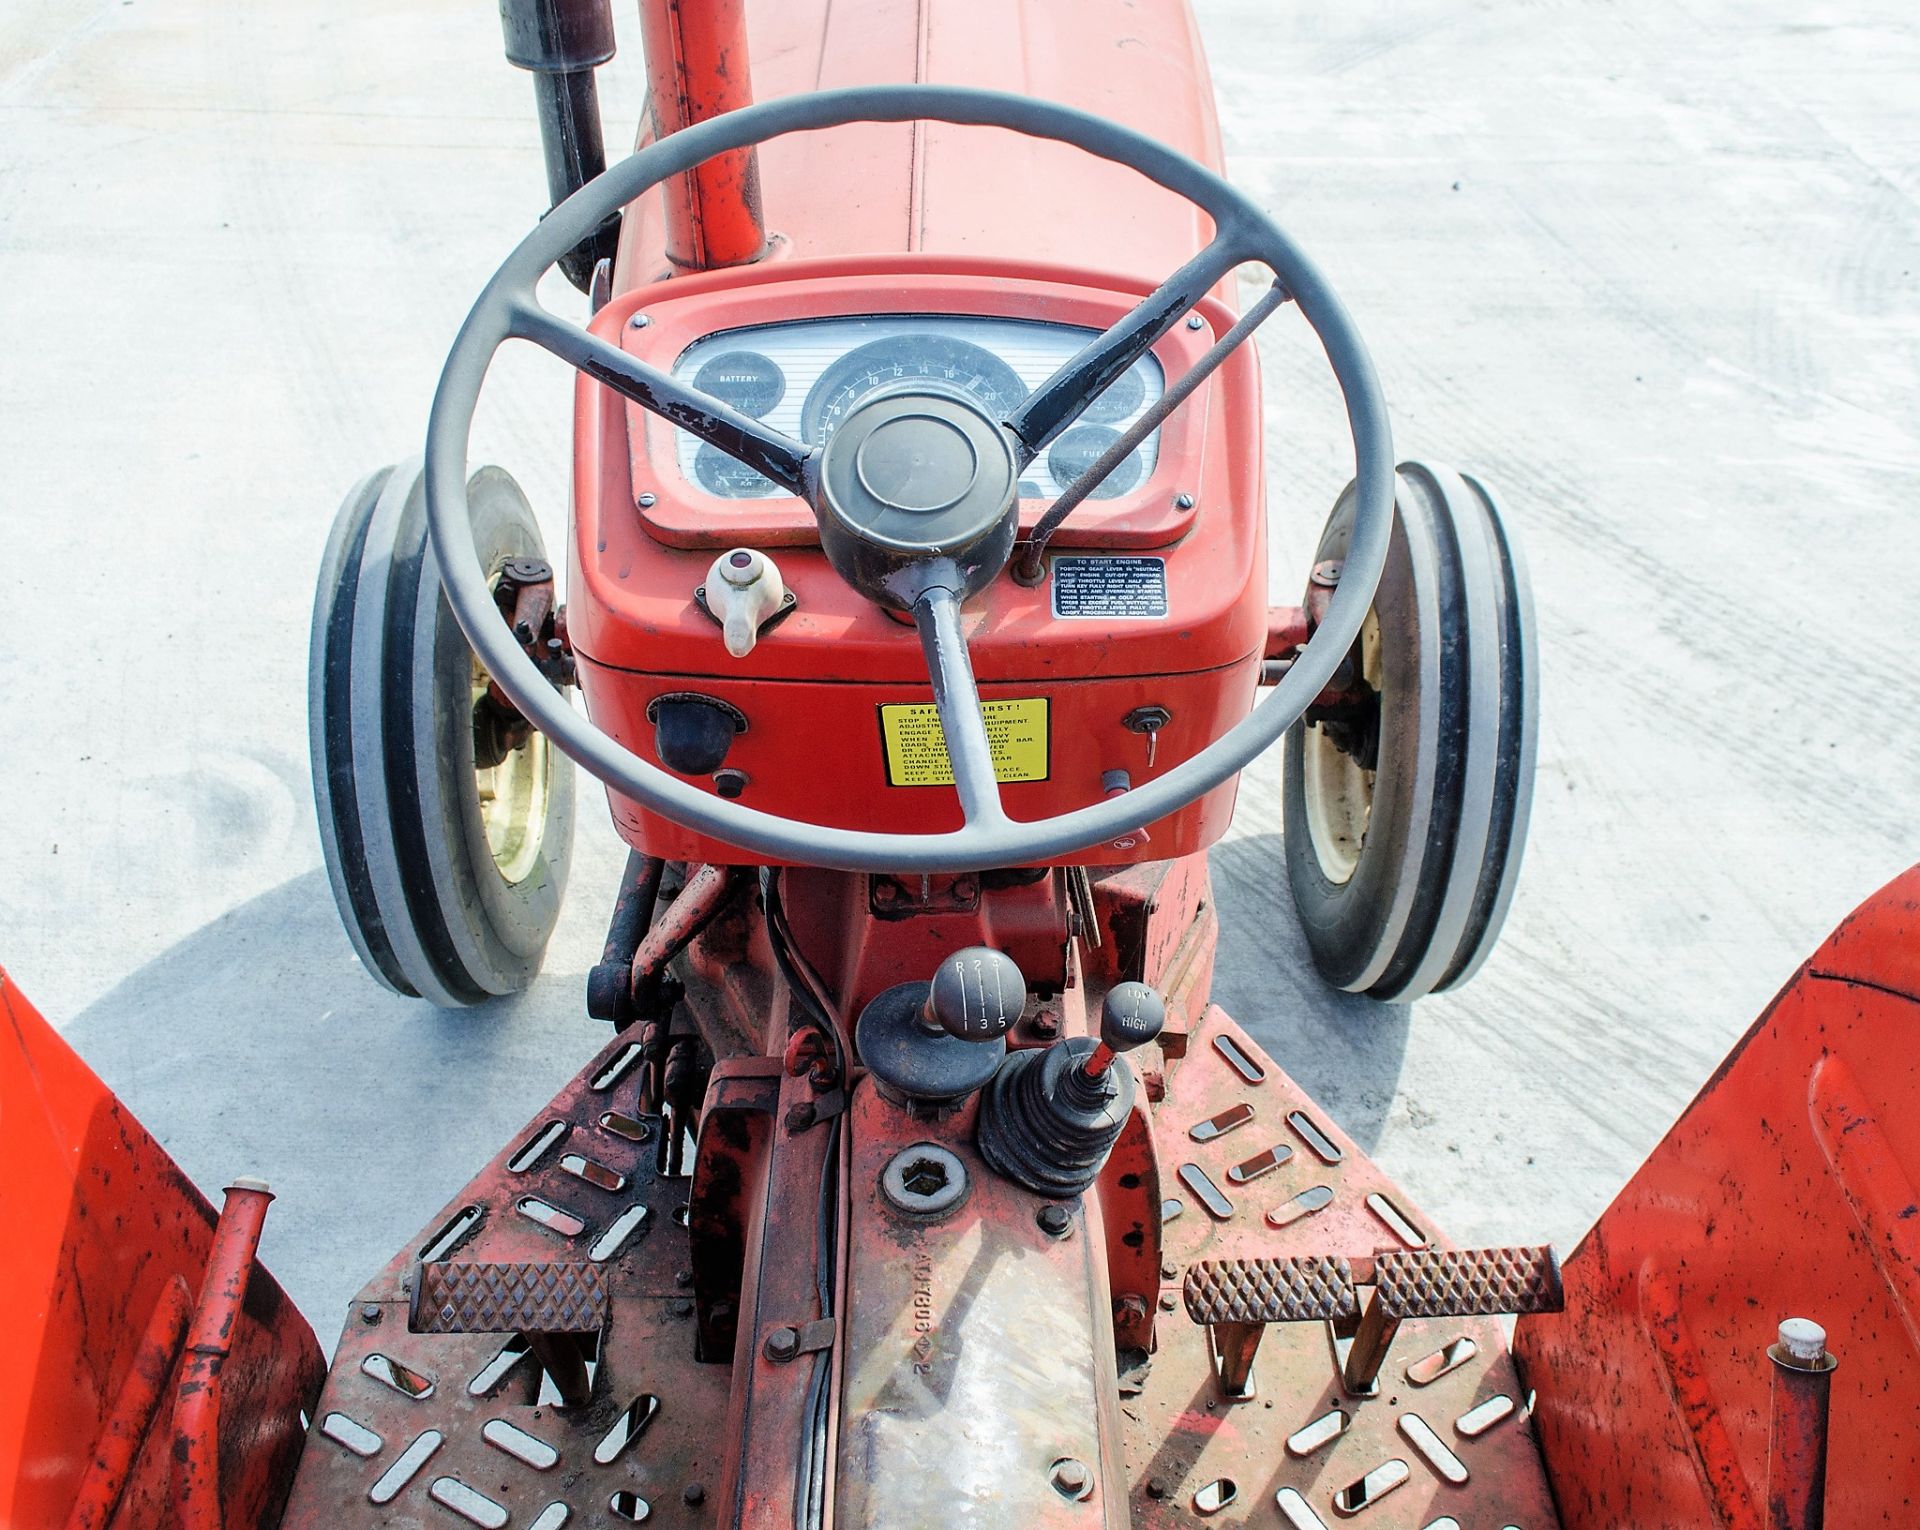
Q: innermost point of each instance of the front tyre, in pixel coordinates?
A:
(446, 841)
(1405, 808)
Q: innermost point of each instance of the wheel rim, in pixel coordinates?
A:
(513, 797)
(1337, 790)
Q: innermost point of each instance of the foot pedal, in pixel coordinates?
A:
(1308, 1290)
(1468, 1282)
(558, 1307)
(1237, 1298)
(532, 1298)
(1460, 1282)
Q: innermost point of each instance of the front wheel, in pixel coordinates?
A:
(447, 830)
(1406, 804)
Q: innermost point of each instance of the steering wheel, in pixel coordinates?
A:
(915, 493)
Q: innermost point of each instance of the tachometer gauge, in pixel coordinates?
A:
(745, 379)
(1120, 399)
(1080, 448)
(720, 475)
(939, 362)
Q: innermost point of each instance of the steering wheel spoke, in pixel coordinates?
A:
(937, 614)
(1083, 376)
(740, 436)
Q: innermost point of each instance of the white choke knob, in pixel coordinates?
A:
(743, 590)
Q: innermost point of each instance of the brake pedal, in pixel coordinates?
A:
(1237, 1298)
(551, 1304)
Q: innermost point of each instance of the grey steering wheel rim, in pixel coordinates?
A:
(987, 843)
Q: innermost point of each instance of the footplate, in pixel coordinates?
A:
(1279, 1238)
(528, 1361)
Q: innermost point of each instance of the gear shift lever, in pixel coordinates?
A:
(935, 1043)
(1050, 1117)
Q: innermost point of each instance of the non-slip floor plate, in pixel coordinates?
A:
(464, 1435)
(1182, 1436)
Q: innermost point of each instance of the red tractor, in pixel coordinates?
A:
(917, 604)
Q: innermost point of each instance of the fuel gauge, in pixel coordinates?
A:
(1077, 451)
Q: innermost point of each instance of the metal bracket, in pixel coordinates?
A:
(804, 1115)
(796, 1339)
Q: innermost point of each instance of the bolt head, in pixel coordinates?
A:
(369, 1312)
(638, 321)
(646, 501)
(1070, 1477)
(1055, 1221)
(1194, 321)
(693, 1494)
(783, 1344)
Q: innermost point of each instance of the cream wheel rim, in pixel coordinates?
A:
(513, 798)
(1337, 791)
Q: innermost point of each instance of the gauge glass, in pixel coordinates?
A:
(1080, 448)
(1120, 399)
(803, 377)
(746, 380)
(721, 475)
(936, 362)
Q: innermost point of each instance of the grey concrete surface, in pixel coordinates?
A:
(1652, 269)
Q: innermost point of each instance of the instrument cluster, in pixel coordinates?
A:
(804, 377)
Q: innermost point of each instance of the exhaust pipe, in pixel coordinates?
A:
(561, 43)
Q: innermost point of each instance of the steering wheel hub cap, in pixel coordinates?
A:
(918, 474)
(917, 462)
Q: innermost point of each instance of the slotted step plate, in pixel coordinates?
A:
(1182, 1438)
(444, 1430)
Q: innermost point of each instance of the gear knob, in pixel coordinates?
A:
(1131, 1015)
(976, 995)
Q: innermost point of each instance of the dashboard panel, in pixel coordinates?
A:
(803, 377)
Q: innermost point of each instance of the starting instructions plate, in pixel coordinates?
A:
(917, 750)
(1110, 587)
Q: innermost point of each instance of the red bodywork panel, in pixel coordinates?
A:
(1789, 1188)
(107, 1245)
(927, 218)
(875, 189)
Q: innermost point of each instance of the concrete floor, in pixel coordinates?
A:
(1651, 269)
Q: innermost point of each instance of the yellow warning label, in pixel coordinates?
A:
(917, 750)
